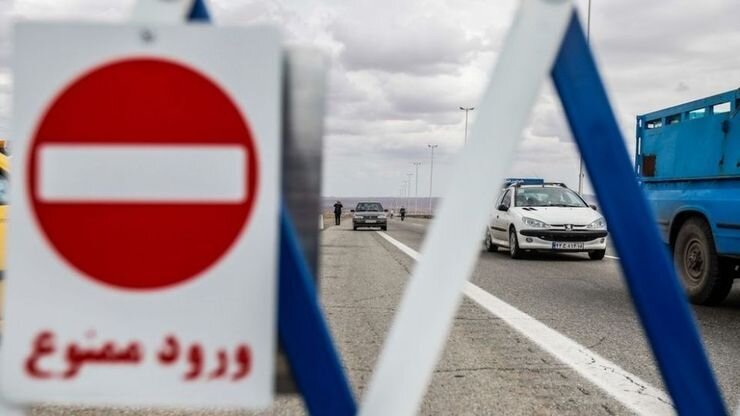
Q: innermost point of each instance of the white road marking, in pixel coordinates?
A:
(628, 389)
(612, 257)
(142, 173)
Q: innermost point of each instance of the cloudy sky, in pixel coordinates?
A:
(401, 69)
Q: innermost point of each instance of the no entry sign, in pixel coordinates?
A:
(114, 155)
(142, 252)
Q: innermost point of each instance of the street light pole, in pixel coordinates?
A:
(466, 109)
(431, 176)
(408, 192)
(416, 196)
(588, 41)
(402, 194)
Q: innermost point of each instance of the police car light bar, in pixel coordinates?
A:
(523, 181)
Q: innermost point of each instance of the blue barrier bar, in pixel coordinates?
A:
(651, 278)
(303, 332)
(199, 12)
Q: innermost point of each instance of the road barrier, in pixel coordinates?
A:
(546, 35)
(546, 38)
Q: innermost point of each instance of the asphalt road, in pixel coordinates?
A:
(487, 367)
(588, 302)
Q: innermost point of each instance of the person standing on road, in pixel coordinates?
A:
(403, 213)
(338, 212)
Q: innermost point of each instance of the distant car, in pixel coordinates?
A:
(545, 217)
(369, 214)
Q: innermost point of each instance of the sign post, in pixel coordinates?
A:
(160, 288)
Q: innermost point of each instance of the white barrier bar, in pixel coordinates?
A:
(451, 249)
(142, 173)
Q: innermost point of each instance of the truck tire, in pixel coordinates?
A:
(490, 247)
(698, 265)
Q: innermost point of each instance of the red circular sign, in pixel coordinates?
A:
(142, 245)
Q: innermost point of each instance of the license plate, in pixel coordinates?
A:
(370, 221)
(567, 246)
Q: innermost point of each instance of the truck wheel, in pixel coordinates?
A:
(514, 251)
(698, 265)
(596, 254)
(490, 247)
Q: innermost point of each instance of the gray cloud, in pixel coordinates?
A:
(401, 70)
(417, 45)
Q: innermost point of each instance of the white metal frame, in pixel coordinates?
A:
(434, 292)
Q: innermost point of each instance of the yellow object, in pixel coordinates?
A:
(4, 170)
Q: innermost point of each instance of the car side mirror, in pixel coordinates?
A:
(594, 207)
(351, 210)
(503, 207)
(385, 210)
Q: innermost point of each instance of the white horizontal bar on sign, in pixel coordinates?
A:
(142, 173)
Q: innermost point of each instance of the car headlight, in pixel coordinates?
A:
(599, 224)
(531, 222)
(382, 216)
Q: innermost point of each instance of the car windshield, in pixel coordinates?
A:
(547, 197)
(369, 207)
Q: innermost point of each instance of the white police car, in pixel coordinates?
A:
(545, 217)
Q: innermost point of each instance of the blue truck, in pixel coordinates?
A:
(688, 161)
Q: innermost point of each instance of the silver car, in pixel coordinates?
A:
(369, 214)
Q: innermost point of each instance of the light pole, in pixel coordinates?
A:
(466, 109)
(408, 191)
(431, 176)
(402, 194)
(580, 164)
(416, 196)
